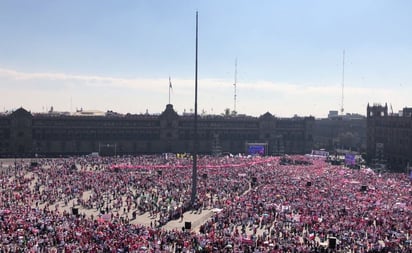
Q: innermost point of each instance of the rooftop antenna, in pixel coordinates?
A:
(343, 81)
(235, 95)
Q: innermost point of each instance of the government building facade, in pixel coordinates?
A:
(389, 137)
(23, 134)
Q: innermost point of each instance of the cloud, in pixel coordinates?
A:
(159, 84)
(88, 80)
(139, 94)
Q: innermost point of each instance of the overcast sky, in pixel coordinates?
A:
(118, 55)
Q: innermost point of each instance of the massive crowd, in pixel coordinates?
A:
(261, 205)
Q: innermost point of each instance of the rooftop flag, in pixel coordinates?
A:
(170, 87)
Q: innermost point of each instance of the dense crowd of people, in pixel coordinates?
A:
(262, 205)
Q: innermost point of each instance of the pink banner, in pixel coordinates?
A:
(151, 167)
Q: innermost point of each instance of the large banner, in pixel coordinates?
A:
(320, 153)
(350, 160)
(256, 150)
(248, 163)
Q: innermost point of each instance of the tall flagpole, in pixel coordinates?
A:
(170, 87)
(235, 95)
(343, 81)
(195, 144)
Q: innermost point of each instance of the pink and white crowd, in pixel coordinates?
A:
(261, 205)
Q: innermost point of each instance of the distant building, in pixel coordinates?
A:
(340, 132)
(389, 137)
(407, 112)
(333, 114)
(51, 134)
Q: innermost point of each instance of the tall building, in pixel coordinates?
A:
(25, 134)
(389, 137)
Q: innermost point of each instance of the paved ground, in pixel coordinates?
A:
(196, 220)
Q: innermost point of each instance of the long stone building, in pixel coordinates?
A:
(25, 134)
(389, 137)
